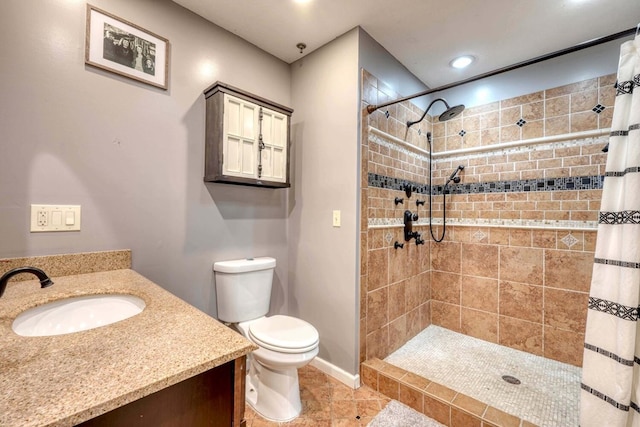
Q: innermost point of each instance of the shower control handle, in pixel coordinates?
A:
(398, 200)
(408, 225)
(408, 216)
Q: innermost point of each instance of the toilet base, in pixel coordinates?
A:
(273, 394)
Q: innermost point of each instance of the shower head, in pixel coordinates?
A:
(451, 112)
(448, 114)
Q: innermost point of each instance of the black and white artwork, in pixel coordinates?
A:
(123, 48)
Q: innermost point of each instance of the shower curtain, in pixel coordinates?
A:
(610, 395)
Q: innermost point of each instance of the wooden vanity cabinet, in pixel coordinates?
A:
(247, 138)
(213, 398)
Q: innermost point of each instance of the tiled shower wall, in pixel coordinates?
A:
(515, 265)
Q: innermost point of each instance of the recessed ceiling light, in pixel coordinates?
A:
(462, 61)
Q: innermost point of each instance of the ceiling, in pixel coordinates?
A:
(425, 35)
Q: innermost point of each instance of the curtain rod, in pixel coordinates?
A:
(584, 45)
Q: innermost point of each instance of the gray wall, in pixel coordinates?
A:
(129, 153)
(323, 259)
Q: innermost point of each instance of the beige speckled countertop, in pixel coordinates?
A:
(67, 379)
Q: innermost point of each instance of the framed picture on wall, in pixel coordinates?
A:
(124, 48)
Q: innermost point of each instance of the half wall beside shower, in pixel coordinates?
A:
(515, 266)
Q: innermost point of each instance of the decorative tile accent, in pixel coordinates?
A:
(462, 132)
(419, 132)
(479, 235)
(521, 122)
(388, 237)
(598, 108)
(569, 240)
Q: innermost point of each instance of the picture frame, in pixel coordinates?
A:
(122, 47)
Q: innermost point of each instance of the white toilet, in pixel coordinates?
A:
(243, 292)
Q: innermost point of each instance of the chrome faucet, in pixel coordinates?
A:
(42, 276)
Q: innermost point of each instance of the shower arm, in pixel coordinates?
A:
(410, 123)
(630, 32)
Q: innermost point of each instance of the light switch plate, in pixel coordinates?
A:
(336, 218)
(55, 218)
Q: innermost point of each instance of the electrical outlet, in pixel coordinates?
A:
(42, 218)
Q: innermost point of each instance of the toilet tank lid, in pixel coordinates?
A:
(244, 265)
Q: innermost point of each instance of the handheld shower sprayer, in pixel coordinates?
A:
(453, 177)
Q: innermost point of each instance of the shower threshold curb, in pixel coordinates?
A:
(436, 401)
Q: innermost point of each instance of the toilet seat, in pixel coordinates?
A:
(284, 334)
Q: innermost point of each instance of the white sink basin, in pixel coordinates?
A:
(76, 314)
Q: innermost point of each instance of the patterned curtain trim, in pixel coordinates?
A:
(613, 308)
(626, 87)
(606, 398)
(617, 263)
(624, 132)
(623, 217)
(610, 355)
(624, 172)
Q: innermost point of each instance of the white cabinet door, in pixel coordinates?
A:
(242, 129)
(240, 144)
(274, 153)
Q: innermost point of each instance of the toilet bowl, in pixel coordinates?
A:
(285, 343)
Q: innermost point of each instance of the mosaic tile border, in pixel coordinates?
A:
(512, 186)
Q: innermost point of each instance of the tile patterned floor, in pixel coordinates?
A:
(326, 402)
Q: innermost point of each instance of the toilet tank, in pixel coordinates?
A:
(243, 288)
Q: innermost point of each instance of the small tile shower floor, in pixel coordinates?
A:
(549, 393)
(328, 402)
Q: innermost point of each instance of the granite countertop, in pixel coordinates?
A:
(67, 379)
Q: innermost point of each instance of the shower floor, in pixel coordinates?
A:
(549, 392)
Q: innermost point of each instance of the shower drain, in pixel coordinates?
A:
(510, 379)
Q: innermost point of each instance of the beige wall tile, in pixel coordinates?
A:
(568, 270)
(445, 256)
(445, 287)
(397, 333)
(377, 309)
(563, 346)
(378, 269)
(480, 260)
(445, 315)
(587, 120)
(565, 309)
(479, 324)
(378, 343)
(520, 334)
(533, 111)
(544, 239)
(480, 293)
(521, 301)
(559, 106)
(556, 125)
(584, 101)
(397, 300)
(523, 265)
(510, 133)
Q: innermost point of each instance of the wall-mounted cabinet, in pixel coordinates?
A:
(246, 138)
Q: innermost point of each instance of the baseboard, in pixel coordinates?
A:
(340, 374)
